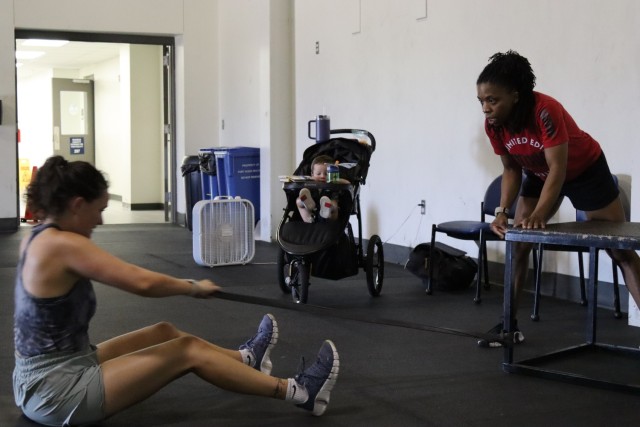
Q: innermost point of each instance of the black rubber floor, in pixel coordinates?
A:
(389, 376)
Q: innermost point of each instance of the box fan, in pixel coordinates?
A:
(223, 231)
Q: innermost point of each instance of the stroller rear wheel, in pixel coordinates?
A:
(374, 266)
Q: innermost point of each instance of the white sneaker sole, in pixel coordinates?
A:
(266, 365)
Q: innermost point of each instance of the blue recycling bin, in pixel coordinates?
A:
(238, 171)
(208, 174)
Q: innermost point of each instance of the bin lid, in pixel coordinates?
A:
(191, 160)
(190, 164)
(237, 151)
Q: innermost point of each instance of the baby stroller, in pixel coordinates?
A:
(328, 249)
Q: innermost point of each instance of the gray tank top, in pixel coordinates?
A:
(48, 325)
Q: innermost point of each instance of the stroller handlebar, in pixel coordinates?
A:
(358, 132)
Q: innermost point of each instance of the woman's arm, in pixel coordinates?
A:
(84, 258)
(556, 158)
(511, 180)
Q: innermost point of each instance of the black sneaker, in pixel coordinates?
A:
(498, 330)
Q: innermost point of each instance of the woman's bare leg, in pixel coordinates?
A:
(628, 260)
(144, 338)
(524, 207)
(131, 378)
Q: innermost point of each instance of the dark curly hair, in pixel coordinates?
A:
(513, 71)
(58, 181)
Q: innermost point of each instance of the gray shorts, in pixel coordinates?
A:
(60, 389)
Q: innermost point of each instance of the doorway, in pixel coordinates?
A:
(130, 79)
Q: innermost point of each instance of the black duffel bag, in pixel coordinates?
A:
(453, 270)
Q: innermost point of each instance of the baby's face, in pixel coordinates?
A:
(319, 172)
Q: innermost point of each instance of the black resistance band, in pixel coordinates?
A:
(326, 311)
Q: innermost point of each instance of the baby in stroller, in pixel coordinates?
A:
(328, 206)
(324, 245)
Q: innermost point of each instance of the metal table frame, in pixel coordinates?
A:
(595, 235)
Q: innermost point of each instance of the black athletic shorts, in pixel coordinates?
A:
(593, 189)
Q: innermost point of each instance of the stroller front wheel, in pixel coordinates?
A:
(300, 285)
(284, 272)
(374, 265)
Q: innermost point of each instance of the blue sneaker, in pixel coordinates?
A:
(262, 343)
(320, 378)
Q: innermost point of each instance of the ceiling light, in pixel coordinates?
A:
(28, 54)
(44, 42)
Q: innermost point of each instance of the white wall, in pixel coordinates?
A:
(36, 120)
(256, 93)
(244, 48)
(278, 155)
(146, 147)
(8, 151)
(109, 133)
(412, 84)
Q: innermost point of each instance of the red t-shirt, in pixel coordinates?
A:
(553, 126)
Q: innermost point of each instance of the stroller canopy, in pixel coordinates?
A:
(347, 151)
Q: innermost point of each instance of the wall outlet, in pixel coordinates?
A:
(317, 48)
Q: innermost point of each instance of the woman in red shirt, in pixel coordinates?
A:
(545, 156)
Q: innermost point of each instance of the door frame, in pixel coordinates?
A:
(169, 107)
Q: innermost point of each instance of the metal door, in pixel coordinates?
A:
(73, 131)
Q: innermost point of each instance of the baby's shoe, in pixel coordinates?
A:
(305, 200)
(326, 207)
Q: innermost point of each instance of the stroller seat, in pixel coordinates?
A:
(301, 238)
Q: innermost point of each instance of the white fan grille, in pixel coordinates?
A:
(223, 232)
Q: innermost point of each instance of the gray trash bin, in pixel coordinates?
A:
(192, 185)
